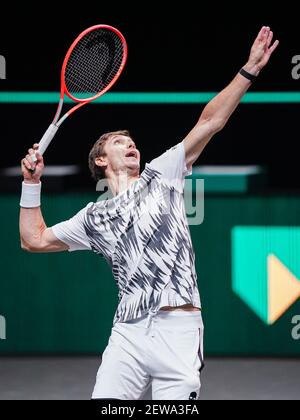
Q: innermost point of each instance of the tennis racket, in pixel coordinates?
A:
(92, 65)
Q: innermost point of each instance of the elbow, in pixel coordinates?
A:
(23, 244)
(27, 247)
(217, 124)
(212, 125)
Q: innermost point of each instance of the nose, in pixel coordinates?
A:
(131, 145)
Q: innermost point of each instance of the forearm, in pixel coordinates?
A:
(220, 108)
(34, 234)
(32, 226)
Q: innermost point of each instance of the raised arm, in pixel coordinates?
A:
(217, 112)
(34, 234)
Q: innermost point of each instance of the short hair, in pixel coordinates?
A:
(98, 150)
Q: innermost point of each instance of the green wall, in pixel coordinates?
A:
(64, 303)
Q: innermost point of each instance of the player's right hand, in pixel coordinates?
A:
(32, 171)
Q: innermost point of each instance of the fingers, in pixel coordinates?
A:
(27, 163)
(29, 159)
(35, 155)
(266, 36)
(39, 157)
(274, 46)
(263, 34)
(32, 155)
(34, 148)
(269, 40)
(260, 36)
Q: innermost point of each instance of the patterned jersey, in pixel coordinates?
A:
(143, 234)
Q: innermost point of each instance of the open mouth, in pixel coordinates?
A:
(132, 153)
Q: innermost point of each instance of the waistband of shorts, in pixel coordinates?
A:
(177, 319)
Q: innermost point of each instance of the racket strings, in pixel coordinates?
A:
(87, 72)
(94, 63)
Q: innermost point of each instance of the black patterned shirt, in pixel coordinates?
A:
(143, 234)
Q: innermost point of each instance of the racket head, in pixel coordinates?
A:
(93, 63)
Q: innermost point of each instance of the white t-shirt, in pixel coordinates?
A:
(144, 235)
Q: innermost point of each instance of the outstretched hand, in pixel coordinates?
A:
(262, 49)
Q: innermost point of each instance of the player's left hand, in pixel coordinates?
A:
(262, 49)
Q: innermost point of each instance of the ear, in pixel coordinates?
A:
(101, 161)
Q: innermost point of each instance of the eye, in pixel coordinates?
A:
(117, 141)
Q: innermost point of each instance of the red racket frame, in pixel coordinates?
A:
(52, 129)
(64, 89)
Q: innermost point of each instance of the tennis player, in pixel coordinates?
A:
(142, 232)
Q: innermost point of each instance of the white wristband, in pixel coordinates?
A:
(31, 195)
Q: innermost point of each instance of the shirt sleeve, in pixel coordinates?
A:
(72, 232)
(172, 166)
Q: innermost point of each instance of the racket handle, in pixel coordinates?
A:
(45, 140)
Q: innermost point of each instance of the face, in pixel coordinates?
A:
(121, 154)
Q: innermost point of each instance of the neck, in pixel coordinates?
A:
(121, 181)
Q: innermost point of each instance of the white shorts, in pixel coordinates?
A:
(164, 350)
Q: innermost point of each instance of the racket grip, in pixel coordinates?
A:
(45, 140)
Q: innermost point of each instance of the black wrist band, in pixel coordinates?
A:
(248, 76)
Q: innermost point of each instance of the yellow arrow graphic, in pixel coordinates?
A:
(284, 288)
